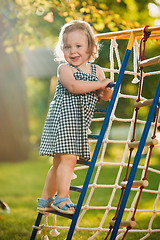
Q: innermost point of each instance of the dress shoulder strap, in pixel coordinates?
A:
(93, 69)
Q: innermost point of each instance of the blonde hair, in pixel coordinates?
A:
(70, 27)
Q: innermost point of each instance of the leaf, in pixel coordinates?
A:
(68, 19)
(103, 6)
(49, 17)
(99, 26)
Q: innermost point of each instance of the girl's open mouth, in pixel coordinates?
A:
(76, 58)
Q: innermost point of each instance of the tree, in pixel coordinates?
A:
(14, 142)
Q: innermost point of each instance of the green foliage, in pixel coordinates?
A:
(24, 26)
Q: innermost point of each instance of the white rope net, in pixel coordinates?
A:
(147, 211)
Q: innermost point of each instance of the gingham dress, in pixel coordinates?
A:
(68, 119)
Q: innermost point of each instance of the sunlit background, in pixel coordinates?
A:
(28, 34)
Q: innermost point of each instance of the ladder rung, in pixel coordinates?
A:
(58, 213)
(148, 62)
(99, 110)
(140, 183)
(83, 162)
(93, 136)
(144, 103)
(131, 224)
(76, 189)
(148, 143)
(111, 84)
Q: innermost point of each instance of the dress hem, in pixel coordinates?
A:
(52, 155)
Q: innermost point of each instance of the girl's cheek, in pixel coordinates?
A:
(65, 51)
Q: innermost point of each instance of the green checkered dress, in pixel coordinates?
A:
(68, 119)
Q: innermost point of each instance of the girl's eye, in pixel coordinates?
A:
(78, 46)
(66, 47)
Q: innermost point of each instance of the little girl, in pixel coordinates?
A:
(80, 84)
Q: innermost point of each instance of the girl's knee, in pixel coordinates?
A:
(70, 159)
(65, 156)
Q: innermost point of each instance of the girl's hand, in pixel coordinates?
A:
(104, 82)
(105, 93)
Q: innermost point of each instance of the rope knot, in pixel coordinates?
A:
(114, 43)
(146, 34)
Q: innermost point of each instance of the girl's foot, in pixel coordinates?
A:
(45, 205)
(63, 205)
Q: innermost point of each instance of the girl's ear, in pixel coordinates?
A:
(61, 48)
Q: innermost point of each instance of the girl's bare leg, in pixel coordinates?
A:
(64, 175)
(59, 177)
(50, 187)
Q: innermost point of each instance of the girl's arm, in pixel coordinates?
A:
(67, 79)
(105, 93)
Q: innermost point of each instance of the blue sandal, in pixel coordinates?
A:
(64, 209)
(43, 205)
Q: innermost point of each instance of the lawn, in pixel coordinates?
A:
(22, 183)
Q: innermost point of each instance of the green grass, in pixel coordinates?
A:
(22, 183)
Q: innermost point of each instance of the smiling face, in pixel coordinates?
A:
(75, 48)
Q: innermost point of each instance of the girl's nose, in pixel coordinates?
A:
(73, 49)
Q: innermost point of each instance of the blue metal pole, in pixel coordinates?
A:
(136, 162)
(98, 145)
(34, 232)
